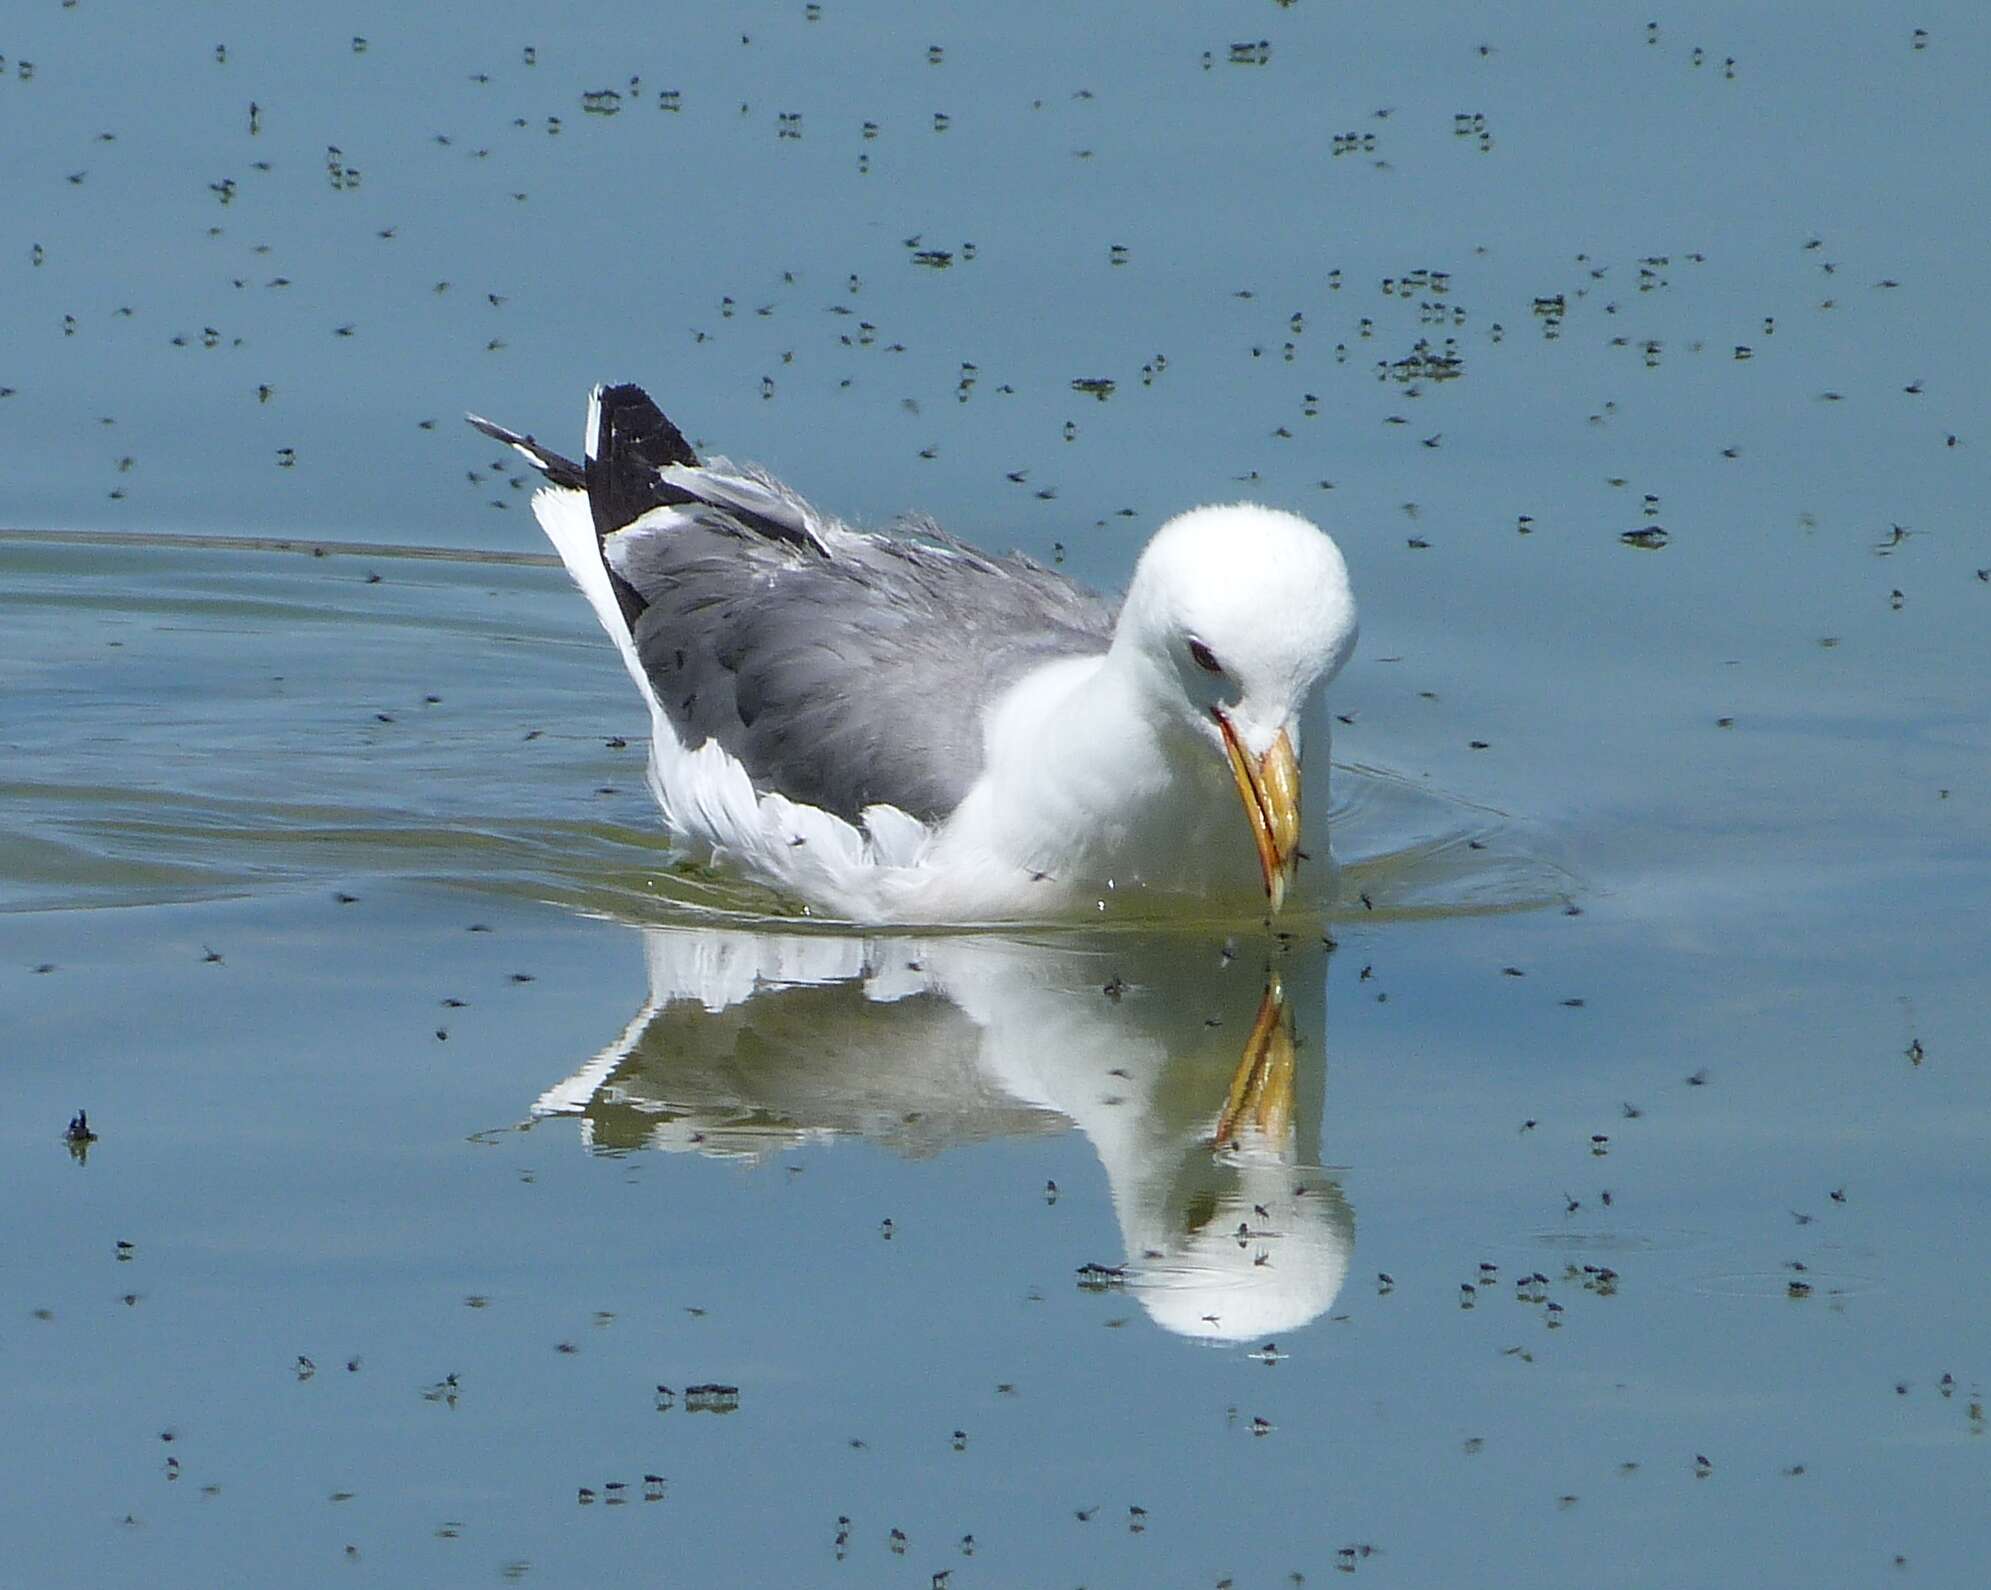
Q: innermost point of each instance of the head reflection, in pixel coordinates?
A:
(1197, 1074)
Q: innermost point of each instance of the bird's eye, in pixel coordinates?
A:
(1205, 659)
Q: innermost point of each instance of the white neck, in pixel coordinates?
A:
(1090, 789)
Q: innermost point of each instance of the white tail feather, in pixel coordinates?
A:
(564, 515)
(898, 839)
(593, 444)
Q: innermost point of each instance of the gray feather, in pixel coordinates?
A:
(849, 679)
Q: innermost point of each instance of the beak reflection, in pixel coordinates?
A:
(1260, 1101)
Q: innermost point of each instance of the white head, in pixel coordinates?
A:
(1235, 616)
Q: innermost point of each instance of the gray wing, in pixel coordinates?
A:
(848, 675)
(839, 669)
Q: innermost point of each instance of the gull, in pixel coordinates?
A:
(896, 728)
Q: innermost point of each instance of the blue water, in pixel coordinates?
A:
(1682, 849)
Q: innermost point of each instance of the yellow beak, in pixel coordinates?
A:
(1270, 789)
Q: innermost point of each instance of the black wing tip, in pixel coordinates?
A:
(560, 471)
(492, 429)
(631, 427)
(630, 441)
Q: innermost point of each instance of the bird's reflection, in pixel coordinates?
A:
(1196, 1069)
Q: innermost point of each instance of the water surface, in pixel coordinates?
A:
(447, 1115)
